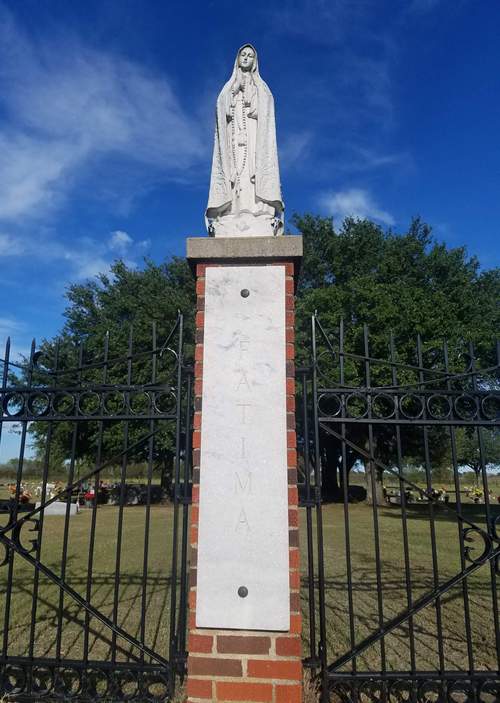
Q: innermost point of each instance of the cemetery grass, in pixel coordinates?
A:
(158, 587)
(394, 592)
(130, 588)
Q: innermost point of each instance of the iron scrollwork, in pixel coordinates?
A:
(395, 689)
(90, 684)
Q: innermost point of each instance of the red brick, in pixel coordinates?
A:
(290, 421)
(196, 439)
(289, 268)
(229, 644)
(290, 403)
(198, 369)
(289, 285)
(198, 387)
(292, 477)
(196, 460)
(192, 619)
(198, 352)
(193, 578)
(290, 369)
(198, 338)
(290, 335)
(208, 666)
(193, 534)
(196, 494)
(199, 689)
(195, 514)
(293, 537)
(295, 623)
(295, 580)
(200, 643)
(293, 495)
(291, 457)
(200, 319)
(192, 598)
(197, 421)
(290, 386)
(200, 286)
(265, 669)
(200, 302)
(288, 647)
(290, 351)
(295, 602)
(289, 319)
(294, 558)
(289, 303)
(293, 517)
(289, 694)
(235, 691)
(291, 439)
(200, 270)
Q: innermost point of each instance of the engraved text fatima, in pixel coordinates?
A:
(243, 525)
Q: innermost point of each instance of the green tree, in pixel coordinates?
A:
(405, 284)
(478, 447)
(118, 310)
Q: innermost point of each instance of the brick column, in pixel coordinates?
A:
(237, 665)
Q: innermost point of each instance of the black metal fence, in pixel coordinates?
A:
(400, 462)
(94, 520)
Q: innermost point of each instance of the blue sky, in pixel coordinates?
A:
(385, 109)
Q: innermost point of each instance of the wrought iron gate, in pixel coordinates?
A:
(403, 593)
(93, 605)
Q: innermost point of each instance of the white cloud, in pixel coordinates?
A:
(20, 341)
(120, 241)
(354, 202)
(67, 106)
(84, 257)
(10, 246)
(8, 325)
(294, 148)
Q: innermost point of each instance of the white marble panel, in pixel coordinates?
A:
(243, 521)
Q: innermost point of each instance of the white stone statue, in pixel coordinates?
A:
(245, 193)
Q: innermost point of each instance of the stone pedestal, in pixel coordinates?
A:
(245, 624)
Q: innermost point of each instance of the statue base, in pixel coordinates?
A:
(246, 224)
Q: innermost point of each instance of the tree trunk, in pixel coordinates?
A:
(167, 471)
(374, 483)
(477, 472)
(329, 477)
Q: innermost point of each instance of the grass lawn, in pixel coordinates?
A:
(156, 624)
(394, 595)
(103, 583)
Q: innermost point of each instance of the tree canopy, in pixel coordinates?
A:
(405, 284)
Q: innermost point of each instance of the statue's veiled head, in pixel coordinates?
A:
(246, 58)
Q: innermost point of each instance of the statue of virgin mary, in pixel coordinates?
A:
(245, 193)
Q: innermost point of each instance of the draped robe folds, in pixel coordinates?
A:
(245, 195)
